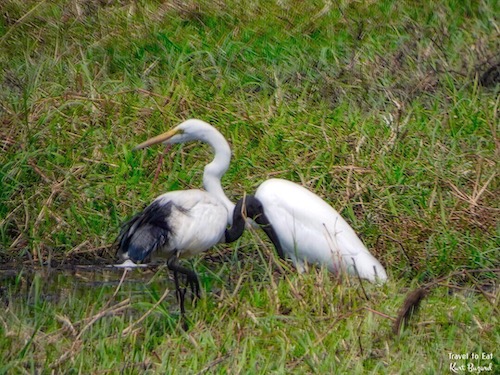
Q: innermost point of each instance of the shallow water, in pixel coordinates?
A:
(22, 284)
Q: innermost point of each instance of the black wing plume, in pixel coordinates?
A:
(146, 232)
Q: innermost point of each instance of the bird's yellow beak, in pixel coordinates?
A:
(158, 139)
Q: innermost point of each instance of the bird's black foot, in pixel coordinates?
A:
(194, 284)
(191, 281)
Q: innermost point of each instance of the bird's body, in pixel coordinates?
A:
(180, 223)
(311, 231)
(183, 223)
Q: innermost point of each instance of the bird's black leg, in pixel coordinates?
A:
(180, 293)
(194, 283)
(191, 280)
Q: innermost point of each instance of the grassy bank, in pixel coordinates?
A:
(381, 108)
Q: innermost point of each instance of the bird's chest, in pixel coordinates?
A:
(199, 228)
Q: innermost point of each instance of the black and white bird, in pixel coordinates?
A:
(300, 224)
(181, 224)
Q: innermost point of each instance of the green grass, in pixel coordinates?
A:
(375, 106)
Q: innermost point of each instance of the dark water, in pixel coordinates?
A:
(21, 283)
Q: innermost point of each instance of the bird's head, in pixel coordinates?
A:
(189, 130)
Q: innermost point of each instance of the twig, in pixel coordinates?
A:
(64, 357)
(379, 313)
(119, 284)
(120, 306)
(482, 292)
(360, 281)
(213, 363)
(458, 273)
(21, 235)
(37, 170)
(412, 265)
(147, 92)
(323, 336)
(127, 330)
(476, 194)
(77, 248)
(20, 20)
(66, 322)
(77, 341)
(359, 339)
(160, 163)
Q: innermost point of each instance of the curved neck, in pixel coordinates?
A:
(214, 171)
(250, 207)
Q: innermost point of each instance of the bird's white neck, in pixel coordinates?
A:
(214, 171)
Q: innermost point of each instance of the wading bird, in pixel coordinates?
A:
(183, 223)
(302, 225)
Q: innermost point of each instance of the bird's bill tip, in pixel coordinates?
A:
(158, 139)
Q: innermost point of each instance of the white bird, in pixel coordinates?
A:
(302, 225)
(311, 231)
(183, 223)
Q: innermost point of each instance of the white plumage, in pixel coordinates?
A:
(197, 220)
(307, 229)
(311, 231)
